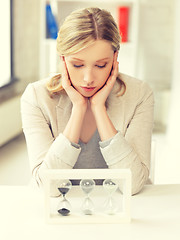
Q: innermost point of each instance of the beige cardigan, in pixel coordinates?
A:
(44, 119)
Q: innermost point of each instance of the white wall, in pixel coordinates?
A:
(174, 117)
(10, 120)
(172, 151)
(155, 64)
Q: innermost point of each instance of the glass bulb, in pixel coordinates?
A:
(110, 205)
(87, 185)
(64, 206)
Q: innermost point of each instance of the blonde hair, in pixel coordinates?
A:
(79, 30)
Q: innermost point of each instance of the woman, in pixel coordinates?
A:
(90, 116)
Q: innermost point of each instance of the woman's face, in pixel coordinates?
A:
(90, 68)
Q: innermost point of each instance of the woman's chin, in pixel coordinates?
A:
(87, 94)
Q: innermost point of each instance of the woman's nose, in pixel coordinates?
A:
(88, 77)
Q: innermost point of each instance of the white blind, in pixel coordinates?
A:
(5, 43)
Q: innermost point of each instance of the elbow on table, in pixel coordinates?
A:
(138, 184)
(136, 189)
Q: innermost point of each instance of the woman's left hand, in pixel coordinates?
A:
(99, 98)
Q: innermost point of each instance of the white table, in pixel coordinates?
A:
(155, 216)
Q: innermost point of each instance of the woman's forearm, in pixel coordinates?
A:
(105, 127)
(73, 128)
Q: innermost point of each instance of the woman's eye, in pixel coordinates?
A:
(101, 66)
(81, 65)
(78, 65)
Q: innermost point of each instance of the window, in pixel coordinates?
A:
(6, 73)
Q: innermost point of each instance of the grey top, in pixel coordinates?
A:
(90, 156)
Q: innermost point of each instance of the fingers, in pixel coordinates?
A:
(116, 67)
(65, 76)
(115, 59)
(116, 63)
(114, 72)
(115, 56)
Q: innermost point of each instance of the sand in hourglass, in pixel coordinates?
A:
(64, 205)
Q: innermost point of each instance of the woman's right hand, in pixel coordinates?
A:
(76, 98)
(73, 128)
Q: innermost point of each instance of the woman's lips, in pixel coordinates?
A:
(88, 89)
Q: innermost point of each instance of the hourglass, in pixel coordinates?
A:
(64, 206)
(110, 205)
(87, 185)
